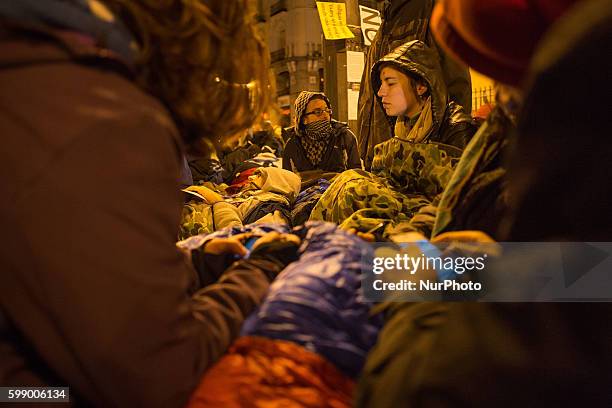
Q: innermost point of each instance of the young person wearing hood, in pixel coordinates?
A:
(410, 89)
(410, 170)
(402, 21)
(318, 142)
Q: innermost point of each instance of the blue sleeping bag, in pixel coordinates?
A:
(316, 301)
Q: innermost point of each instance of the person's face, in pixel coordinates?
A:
(320, 107)
(396, 93)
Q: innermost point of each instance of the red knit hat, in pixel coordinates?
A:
(495, 37)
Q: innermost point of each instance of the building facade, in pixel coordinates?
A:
(295, 39)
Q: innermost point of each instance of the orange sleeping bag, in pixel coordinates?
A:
(260, 372)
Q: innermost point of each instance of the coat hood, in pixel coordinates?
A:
(415, 58)
(300, 106)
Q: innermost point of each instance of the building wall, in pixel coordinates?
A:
(295, 40)
(294, 37)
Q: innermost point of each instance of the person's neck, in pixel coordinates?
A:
(411, 118)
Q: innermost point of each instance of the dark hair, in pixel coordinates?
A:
(203, 59)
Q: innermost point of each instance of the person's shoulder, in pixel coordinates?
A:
(457, 128)
(456, 114)
(336, 124)
(119, 102)
(291, 135)
(342, 129)
(290, 132)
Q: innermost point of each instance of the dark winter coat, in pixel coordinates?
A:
(559, 177)
(341, 153)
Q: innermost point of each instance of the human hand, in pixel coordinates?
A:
(469, 241)
(276, 236)
(463, 236)
(408, 237)
(366, 236)
(276, 247)
(231, 245)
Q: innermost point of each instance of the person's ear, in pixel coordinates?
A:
(421, 89)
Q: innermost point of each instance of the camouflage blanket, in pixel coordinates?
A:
(196, 218)
(475, 197)
(405, 177)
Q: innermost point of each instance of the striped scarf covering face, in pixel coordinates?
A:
(315, 139)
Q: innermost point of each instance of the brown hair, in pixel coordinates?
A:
(203, 59)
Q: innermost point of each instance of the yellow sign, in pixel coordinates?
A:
(333, 20)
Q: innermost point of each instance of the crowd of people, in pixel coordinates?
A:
(166, 244)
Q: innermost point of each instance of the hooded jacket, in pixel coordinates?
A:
(341, 153)
(451, 125)
(272, 180)
(405, 175)
(403, 21)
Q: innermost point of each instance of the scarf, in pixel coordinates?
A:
(315, 138)
(417, 129)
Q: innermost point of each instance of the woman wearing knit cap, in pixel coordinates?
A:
(318, 142)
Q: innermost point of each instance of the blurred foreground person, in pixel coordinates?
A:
(94, 292)
(520, 354)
